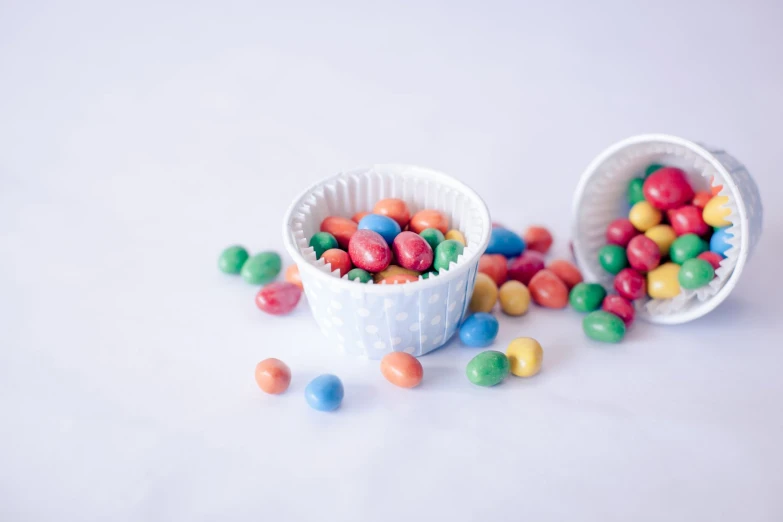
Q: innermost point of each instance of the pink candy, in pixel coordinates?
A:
(369, 251)
(412, 251)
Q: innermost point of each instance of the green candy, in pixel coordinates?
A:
(612, 258)
(488, 368)
(687, 247)
(427, 275)
(652, 168)
(261, 268)
(321, 242)
(635, 194)
(362, 275)
(695, 273)
(603, 326)
(232, 259)
(433, 236)
(586, 297)
(446, 252)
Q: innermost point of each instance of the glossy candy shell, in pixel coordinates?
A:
(412, 251)
(566, 271)
(495, 266)
(488, 368)
(524, 267)
(668, 188)
(586, 297)
(485, 294)
(383, 225)
(232, 259)
(429, 219)
(643, 253)
(369, 251)
(538, 238)
(278, 298)
(630, 284)
(273, 376)
(325, 393)
(262, 268)
(548, 290)
(603, 326)
(394, 208)
(402, 369)
(621, 307)
(505, 242)
(525, 356)
(341, 228)
(479, 330)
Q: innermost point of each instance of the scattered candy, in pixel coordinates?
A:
(643, 253)
(457, 236)
(566, 271)
(433, 236)
(548, 290)
(586, 297)
(488, 368)
(524, 267)
(412, 251)
(687, 247)
(687, 220)
(321, 242)
(339, 260)
(514, 298)
(630, 284)
(713, 258)
(448, 252)
(394, 208)
(664, 236)
(719, 242)
(485, 294)
(695, 273)
(425, 219)
(621, 307)
(612, 258)
(667, 188)
(325, 393)
(644, 216)
(261, 268)
(494, 265)
(357, 274)
(479, 330)
(402, 369)
(603, 326)
(715, 212)
(369, 251)
(273, 376)
(662, 283)
(635, 192)
(341, 228)
(525, 356)
(538, 239)
(278, 298)
(505, 242)
(383, 225)
(232, 259)
(620, 232)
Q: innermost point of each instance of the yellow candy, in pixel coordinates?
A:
(643, 216)
(525, 356)
(715, 213)
(514, 298)
(662, 283)
(457, 236)
(663, 236)
(485, 294)
(392, 270)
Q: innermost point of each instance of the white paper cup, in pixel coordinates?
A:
(601, 198)
(371, 319)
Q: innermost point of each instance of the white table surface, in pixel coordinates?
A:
(139, 141)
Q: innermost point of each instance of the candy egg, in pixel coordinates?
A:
(667, 188)
(635, 193)
(621, 307)
(261, 268)
(566, 271)
(612, 258)
(663, 236)
(719, 242)
(687, 220)
(488, 368)
(433, 236)
(494, 265)
(548, 290)
(424, 219)
(485, 294)
(538, 239)
(514, 298)
(394, 208)
(712, 258)
(341, 228)
(479, 330)
(715, 212)
(603, 326)
(394, 270)
(505, 242)
(232, 259)
(278, 298)
(586, 297)
(652, 168)
(358, 216)
(620, 231)
(644, 216)
(643, 253)
(686, 247)
(447, 252)
(357, 274)
(273, 376)
(398, 279)
(524, 267)
(630, 284)
(325, 393)
(383, 225)
(321, 242)
(457, 236)
(412, 251)
(402, 369)
(700, 199)
(662, 283)
(369, 251)
(695, 273)
(525, 356)
(292, 276)
(338, 259)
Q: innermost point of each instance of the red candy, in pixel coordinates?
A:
(495, 266)
(620, 232)
(643, 253)
(567, 272)
(548, 290)
(619, 306)
(278, 298)
(338, 259)
(688, 220)
(538, 239)
(630, 284)
(412, 251)
(667, 188)
(712, 258)
(341, 228)
(701, 199)
(524, 267)
(369, 251)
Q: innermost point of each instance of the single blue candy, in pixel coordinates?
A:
(505, 242)
(719, 242)
(384, 225)
(325, 392)
(479, 330)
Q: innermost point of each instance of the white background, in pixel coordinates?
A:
(137, 141)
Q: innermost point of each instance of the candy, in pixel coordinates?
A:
(715, 212)
(701, 199)
(538, 239)
(635, 193)
(687, 220)
(586, 297)
(232, 259)
(278, 298)
(525, 356)
(621, 307)
(358, 216)
(424, 219)
(433, 236)
(548, 290)
(457, 236)
(620, 231)
(695, 273)
(662, 283)
(524, 267)
(712, 258)
(495, 224)
(485, 294)
(273, 376)
(686, 247)
(412, 251)
(479, 330)
(664, 236)
(393, 270)
(612, 258)
(566, 271)
(488, 368)
(714, 188)
(338, 259)
(630, 284)
(719, 242)
(652, 168)
(505, 242)
(357, 274)
(603, 326)
(325, 393)
(644, 216)
(514, 298)
(394, 208)
(402, 369)
(494, 265)
(398, 279)
(293, 276)
(369, 251)
(261, 268)
(383, 225)
(643, 253)
(341, 228)
(321, 242)
(447, 252)
(667, 188)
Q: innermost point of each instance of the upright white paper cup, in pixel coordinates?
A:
(601, 198)
(371, 319)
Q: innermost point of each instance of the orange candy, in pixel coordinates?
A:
(548, 290)
(715, 188)
(341, 228)
(402, 369)
(538, 239)
(292, 276)
(429, 219)
(566, 272)
(398, 278)
(495, 266)
(394, 208)
(701, 199)
(358, 216)
(339, 259)
(273, 376)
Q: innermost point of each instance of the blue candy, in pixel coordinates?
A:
(719, 242)
(384, 225)
(325, 393)
(505, 242)
(479, 330)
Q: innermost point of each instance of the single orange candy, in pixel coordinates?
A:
(341, 228)
(394, 208)
(398, 278)
(548, 290)
(358, 216)
(715, 188)
(273, 376)
(293, 276)
(339, 259)
(402, 369)
(538, 239)
(424, 219)
(701, 199)
(567, 272)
